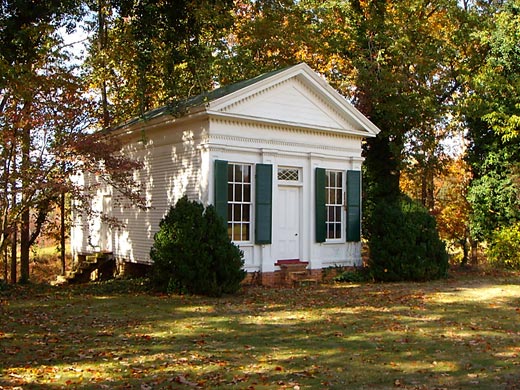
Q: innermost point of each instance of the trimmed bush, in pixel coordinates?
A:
(404, 243)
(193, 254)
(504, 248)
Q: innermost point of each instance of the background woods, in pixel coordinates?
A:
(431, 75)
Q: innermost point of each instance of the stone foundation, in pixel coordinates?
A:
(276, 278)
(132, 270)
(267, 279)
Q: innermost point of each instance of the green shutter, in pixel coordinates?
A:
(353, 205)
(263, 203)
(221, 191)
(321, 210)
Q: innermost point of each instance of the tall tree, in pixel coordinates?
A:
(45, 124)
(148, 53)
(25, 31)
(492, 113)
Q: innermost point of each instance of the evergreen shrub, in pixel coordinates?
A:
(404, 243)
(358, 275)
(503, 250)
(192, 253)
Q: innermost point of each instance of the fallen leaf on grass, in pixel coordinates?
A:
(181, 379)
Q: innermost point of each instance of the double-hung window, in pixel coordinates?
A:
(338, 205)
(334, 204)
(239, 202)
(234, 200)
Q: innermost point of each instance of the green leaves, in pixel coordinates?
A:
(193, 254)
(504, 247)
(152, 52)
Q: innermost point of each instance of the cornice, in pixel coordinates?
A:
(228, 118)
(279, 146)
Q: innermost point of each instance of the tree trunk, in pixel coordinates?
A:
(62, 232)
(430, 190)
(465, 252)
(6, 266)
(102, 44)
(474, 252)
(24, 247)
(14, 255)
(26, 216)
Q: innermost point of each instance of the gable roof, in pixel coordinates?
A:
(226, 102)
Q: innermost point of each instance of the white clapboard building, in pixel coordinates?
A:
(278, 155)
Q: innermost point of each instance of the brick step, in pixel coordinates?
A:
(305, 282)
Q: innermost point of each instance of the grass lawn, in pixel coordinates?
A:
(459, 333)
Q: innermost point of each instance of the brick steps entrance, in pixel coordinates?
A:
(295, 273)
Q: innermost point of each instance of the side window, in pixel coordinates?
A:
(239, 201)
(331, 219)
(334, 204)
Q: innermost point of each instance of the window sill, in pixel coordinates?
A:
(334, 242)
(243, 243)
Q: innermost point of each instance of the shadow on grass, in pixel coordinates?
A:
(448, 334)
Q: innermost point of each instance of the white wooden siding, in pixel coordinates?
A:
(171, 169)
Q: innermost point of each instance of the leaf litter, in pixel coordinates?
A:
(460, 333)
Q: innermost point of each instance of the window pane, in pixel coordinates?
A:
(330, 216)
(237, 212)
(230, 172)
(230, 195)
(238, 193)
(330, 230)
(238, 173)
(247, 173)
(245, 213)
(236, 233)
(247, 192)
(245, 232)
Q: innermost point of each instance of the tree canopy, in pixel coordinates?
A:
(419, 70)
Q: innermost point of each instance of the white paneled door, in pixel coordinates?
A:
(288, 231)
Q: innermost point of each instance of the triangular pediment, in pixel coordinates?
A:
(297, 97)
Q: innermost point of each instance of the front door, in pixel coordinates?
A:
(288, 232)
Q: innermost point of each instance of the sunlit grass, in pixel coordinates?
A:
(454, 334)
